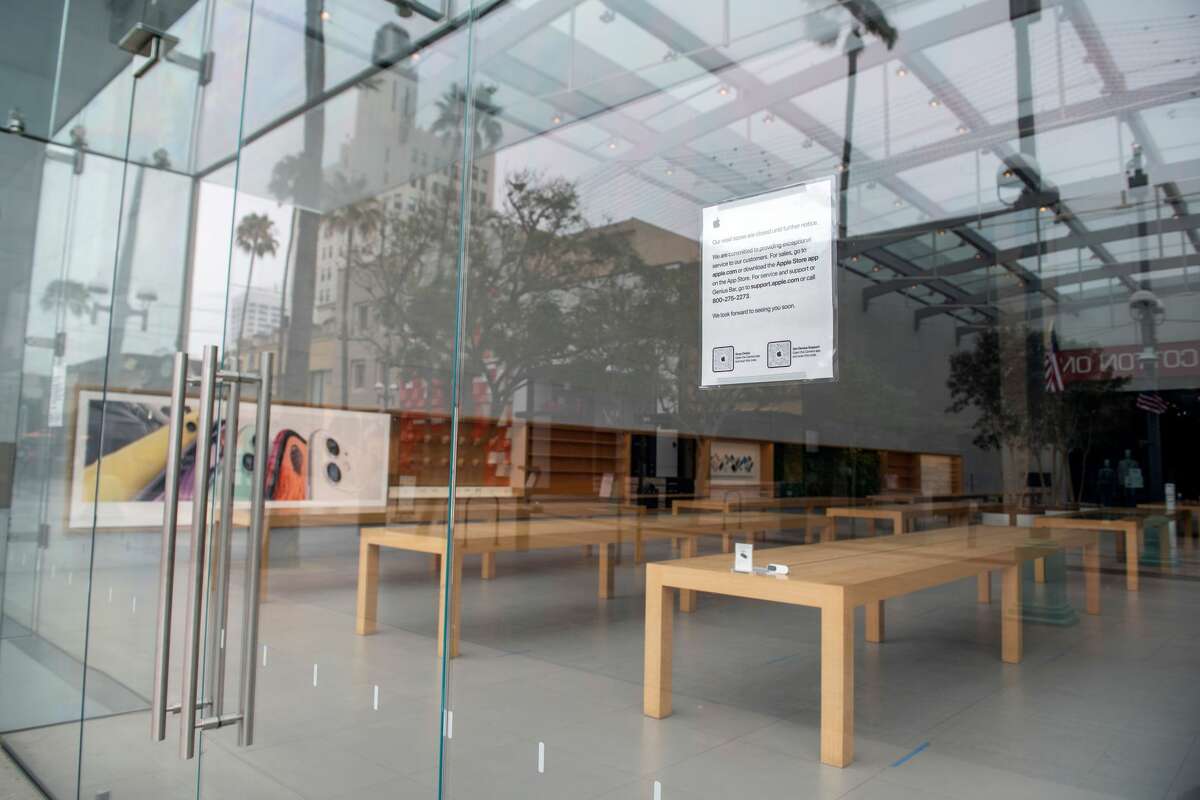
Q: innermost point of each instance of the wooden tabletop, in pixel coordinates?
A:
(867, 569)
(734, 502)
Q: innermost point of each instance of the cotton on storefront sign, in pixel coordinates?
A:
(1174, 359)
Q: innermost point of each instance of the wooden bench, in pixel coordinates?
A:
(837, 577)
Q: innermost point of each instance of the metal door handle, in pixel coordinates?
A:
(262, 432)
(201, 563)
(195, 597)
(166, 564)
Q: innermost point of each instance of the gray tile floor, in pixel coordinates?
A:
(1108, 707)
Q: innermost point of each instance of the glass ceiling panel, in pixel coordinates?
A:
(1173, 128)
(1150, 42)
(984, 62)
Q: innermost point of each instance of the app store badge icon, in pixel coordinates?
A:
(722, 359)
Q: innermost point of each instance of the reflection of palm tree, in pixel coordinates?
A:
(450, 126)
(363, 217)
(71, 295)
(255, 236)
(451, 119)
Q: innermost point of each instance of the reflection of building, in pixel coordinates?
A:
(261, 310)
(392, 164)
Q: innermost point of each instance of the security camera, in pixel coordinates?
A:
(1144, 304)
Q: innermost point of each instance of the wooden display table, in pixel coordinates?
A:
(357, 517)
(1188, 510)
(836, 577)
(733, 502)
(1125, 523)
(903, 515)
(914, 497)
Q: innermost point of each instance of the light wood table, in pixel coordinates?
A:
(1125, 523)
(487, 539)
(358, 517)
(1189, 511)
(837, 577)
(904, 515)
(732, 501)
(914, 497)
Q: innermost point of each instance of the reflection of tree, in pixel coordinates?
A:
(544, 292)
(255, 236)
(1049, 423)
(362, 217)
(70, 295)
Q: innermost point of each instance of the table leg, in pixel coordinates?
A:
(1039, 570)
(435, 564)
(1091, 574)
(898, 523)
(726, 543)
(983, 590)
(368, 588)
(829, 530)
(1131, 557)
(656, 680)
(1010, 615)
(871, 526)
(837, 683)
(687, 597)
(487, 566)
(638, 554)
(454, 576)
(875, 621)
(607, 572)
(1120, 547)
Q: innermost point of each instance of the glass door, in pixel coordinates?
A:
(103, 159)
(344, 196)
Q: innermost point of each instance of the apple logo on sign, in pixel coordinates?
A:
(717, 222)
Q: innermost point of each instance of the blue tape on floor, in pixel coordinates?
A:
(911, 755)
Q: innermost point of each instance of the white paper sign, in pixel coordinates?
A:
(768, 288)
(58, 395)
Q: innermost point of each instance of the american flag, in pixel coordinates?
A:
(1148, 401)
(1054, 378)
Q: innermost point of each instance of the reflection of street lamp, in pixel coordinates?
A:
(1146, 309)
(145, 298)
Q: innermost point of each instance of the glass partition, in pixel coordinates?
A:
(886, 292)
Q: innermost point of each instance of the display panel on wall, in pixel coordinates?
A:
(734, 462)
(319, 457)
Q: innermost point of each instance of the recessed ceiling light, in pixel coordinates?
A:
(768, 117)
(898, 203)
(839, 168)
(670, 171)
(325, 15)
(1044, 209)
(612, 145)
(723, 90)
(961, 129)
(875, 268)
(934, 102)
(901, 72)
(556, 119)
(416, 56)
(941, 231)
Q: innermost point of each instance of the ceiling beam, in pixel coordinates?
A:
(1122, 269)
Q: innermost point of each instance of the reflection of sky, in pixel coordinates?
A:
(638, 119)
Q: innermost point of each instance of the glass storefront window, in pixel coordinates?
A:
(669, 399)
